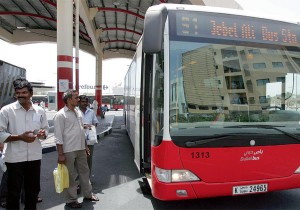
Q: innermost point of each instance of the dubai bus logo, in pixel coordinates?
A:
(252, 155)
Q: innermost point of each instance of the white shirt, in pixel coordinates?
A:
(95, 105)
(89, 118)
(15, 120)
(68, 130)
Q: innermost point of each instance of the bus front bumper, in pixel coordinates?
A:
(200, 189)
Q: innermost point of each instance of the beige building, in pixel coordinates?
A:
(236, 78)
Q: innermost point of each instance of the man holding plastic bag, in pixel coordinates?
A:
(72, 149)
(90, 121)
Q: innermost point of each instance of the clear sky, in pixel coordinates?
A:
(280, 8)
(40, 60)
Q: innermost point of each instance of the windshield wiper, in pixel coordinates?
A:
(266, 127)
(222, 137)
(206, 140)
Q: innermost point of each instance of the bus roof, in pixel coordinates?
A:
(222, 10)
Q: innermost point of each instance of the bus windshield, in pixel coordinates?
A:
(233, 86)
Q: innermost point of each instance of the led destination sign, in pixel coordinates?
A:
(239, 28)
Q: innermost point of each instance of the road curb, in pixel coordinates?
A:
(99, 136)
(104, 133)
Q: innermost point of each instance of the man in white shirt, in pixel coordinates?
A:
(89, 119)
(72, 149)
(22, 124)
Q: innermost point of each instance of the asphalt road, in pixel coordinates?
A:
(116, 181)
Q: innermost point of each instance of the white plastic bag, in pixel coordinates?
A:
(91, 135)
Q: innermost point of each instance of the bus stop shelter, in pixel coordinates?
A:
(104, 28)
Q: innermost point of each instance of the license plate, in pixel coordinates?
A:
(248, 189)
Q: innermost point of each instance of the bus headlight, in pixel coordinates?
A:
(183, 176)
(163, 175)
(175, 175)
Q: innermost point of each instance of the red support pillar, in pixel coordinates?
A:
(98, 96)
(64, 49)
(98, 86)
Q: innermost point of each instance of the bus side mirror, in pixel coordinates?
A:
(154, 25)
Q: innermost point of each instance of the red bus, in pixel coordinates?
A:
(115, 102)
(37, 99)
(198, 97)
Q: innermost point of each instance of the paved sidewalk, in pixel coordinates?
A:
(104, 128)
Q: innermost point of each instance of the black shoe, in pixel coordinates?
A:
(74, 205)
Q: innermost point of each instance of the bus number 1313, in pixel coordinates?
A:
(200, 155)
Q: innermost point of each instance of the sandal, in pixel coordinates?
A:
(93, 198)
(74, 205)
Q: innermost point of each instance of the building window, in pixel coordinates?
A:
(238, 98)
(231, 66)
(262, 82)
(229, 53)
(234, 82)
(259, 65)
(254, 51)
(262, 99)
(277, 64)
(280, 79)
